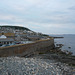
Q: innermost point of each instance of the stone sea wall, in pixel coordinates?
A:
(27, 49)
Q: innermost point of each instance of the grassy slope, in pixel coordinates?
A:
(17, 27)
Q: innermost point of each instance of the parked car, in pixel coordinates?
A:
(17, 42)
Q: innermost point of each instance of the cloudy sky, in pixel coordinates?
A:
(46, 16)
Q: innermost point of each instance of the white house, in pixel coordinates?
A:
(5, 40)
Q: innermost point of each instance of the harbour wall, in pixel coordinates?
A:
(27, 49)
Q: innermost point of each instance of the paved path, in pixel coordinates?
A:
(32, 66)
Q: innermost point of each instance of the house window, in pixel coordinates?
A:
(11, 42)
(7, 42)
(4, 42)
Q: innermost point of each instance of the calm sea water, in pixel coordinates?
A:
(67, 41)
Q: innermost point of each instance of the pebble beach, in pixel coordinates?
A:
(33, 66)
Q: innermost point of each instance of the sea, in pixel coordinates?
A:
(67, 41)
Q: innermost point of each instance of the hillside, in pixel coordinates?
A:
(17, 27)
(20, 30)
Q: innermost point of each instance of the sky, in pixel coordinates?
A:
(45, 16)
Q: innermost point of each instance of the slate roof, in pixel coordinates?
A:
(6, 39)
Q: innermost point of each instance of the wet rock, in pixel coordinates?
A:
(69, 47)
(59, 45)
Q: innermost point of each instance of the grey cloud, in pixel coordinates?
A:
(72, 8)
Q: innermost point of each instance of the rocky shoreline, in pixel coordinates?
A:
(51, 62)
(63, 56)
